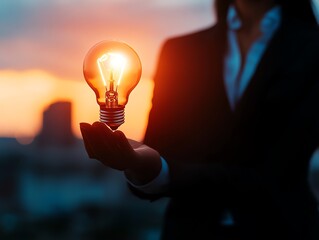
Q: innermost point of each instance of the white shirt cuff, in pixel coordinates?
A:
(157, 185)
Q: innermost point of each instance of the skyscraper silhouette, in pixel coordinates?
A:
(56, 129)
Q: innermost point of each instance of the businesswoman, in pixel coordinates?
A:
(233, 126)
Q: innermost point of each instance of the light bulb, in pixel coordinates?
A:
(112, 69)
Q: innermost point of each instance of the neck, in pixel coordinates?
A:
(252, 11)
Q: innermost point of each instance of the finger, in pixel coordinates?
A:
(105, 137)
(96, 147)
(112, 149)
(134, 144)
(107, 146)
(122, 141)
(85, 125)
(85, 128)
(127, 152)
(89, 149)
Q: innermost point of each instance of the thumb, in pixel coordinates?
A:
(122, 140)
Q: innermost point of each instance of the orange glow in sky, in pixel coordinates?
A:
(25, 94)
(43, 45)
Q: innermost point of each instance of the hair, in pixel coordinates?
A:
(291, 9)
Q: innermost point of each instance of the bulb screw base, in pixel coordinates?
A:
(113, 117)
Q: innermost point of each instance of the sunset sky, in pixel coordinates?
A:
(43, 44)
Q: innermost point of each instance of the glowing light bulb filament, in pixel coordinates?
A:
(111, 67)
(111, 81)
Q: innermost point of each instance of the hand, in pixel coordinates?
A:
(110, 148)
(140, 162)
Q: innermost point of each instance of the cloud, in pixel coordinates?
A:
(54, 35)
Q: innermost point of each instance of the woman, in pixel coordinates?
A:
(233, 125)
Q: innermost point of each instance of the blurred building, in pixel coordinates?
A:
(56, 128)
(50, 189)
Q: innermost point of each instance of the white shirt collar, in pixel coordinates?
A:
(270, 21)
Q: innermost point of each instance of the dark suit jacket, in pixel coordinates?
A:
(253, 161)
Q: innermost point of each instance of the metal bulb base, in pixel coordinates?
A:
(113, 117)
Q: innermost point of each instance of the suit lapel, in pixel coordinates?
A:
(272, 61)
